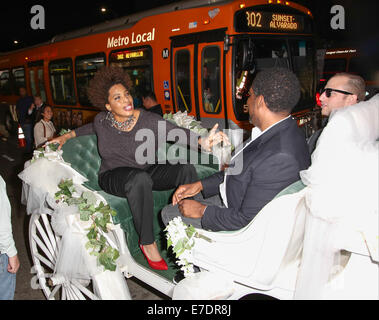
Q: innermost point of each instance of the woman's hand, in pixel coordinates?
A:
(213, 139)
(185, 191)
(62, 139)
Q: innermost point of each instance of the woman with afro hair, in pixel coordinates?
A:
(124, 171)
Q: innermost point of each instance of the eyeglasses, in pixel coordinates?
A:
(328, 92)
(247, 93)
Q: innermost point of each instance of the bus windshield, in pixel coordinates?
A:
(293, 53)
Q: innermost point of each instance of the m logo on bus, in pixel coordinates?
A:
(165, 53)
(38, 21)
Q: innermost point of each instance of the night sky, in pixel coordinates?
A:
(60, 17)
(63, 16)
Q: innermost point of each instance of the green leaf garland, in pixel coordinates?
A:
(101, 217)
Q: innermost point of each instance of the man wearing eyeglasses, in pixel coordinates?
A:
(342, 90)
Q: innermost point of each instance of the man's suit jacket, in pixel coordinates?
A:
(312, 141)
(37, 113)
(156, 109)
(270, 163)
(22, 107)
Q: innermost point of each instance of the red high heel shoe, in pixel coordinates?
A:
(157, 265)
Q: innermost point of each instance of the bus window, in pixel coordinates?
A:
(270, 53)
(85, 68)
(138, 62)
(334, 65)
(32, 83)
(302, 52)
(267, 53)
(5, 87)
(362, 67)
(182, 80)
(211, 79)
(41, 84)
(62, 83)
(19, 78)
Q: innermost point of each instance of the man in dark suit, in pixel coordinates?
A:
(24, 117)
(268, 162)
(36, 108)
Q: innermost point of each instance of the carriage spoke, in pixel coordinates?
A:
(70, 292)
(54, 292)
(77, 291)
(67, 292)
(44, 260)
(51, 234)
(45, 238)
(64, 297)
(46, 275)
(88, 293)
(44, 249)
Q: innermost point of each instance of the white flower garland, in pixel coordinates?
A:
(182, 119)
(50, 152)
(182, 239)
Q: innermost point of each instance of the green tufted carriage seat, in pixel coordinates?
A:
(82, 153)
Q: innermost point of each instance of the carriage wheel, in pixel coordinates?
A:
(44, 245)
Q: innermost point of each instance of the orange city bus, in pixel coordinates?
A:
(195, 55)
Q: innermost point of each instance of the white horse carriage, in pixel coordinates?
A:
(318, 239)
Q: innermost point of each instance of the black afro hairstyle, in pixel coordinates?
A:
(279, 87)
(104, 79)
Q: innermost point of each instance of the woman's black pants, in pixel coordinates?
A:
(137, 186)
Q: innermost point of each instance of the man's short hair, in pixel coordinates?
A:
(355, 84)
(279, 87)
(149, 94)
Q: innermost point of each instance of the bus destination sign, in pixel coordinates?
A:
(257, 21)
(127, 55)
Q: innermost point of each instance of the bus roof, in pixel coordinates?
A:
(125, 22)
(129, 21)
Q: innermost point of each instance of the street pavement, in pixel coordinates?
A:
(12, 161)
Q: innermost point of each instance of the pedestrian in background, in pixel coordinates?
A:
(9, 263)
(24, 118)
(150, 103)
(36, 108)
(44, 129)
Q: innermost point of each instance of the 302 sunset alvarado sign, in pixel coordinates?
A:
(273, 21)
(264, 21)
(134, 38)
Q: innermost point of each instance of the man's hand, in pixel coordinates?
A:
(185, 191)
(191, 209)
(13, 264)
(213, 139)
